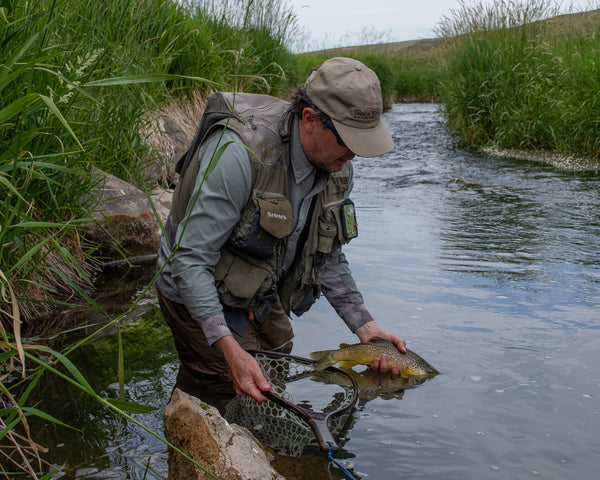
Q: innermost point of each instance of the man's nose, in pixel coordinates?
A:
(349, 155)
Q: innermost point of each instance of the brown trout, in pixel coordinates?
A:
(410, 364)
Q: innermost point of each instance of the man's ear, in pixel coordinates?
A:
(309, 118)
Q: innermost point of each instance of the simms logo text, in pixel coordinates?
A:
(280, 216)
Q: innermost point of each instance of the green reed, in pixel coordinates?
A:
(515, 81)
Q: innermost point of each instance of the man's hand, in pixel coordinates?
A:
(371, 330)
(244, 372)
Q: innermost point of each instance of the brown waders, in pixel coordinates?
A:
(274, 333)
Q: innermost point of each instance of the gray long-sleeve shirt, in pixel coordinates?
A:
(215, 208)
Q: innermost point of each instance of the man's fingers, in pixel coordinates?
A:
(264, 387)
(257, 395)
(258, 385)
(383, 365)
(380, 364)
(399, 342)
(252, 389)
(246, 376)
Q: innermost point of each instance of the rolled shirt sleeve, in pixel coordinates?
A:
(339, 287)
(212, 212)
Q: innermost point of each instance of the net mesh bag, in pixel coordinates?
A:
(278, 428)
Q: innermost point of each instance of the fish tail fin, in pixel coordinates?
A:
(323, 359)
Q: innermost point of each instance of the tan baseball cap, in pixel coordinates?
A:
(349, 93)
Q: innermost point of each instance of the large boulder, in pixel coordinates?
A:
(124, 213)
(228, 451)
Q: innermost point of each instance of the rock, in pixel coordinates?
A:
(568, 162)
(228, 451)
(123, 212)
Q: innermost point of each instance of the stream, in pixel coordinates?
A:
(489, 268)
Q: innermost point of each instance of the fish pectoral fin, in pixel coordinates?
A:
(347, 363)
(322, 365)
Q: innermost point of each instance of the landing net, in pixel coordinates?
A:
(295, 379)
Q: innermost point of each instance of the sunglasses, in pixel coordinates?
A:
(330, 126)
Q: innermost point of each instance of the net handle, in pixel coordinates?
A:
(323, 435)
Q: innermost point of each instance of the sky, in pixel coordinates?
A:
(333, 23)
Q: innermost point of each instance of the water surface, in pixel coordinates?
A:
(489, 268)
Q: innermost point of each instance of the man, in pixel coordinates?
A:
(259, 217)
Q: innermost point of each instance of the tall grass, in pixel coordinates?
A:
(61, 115)
(515, 82)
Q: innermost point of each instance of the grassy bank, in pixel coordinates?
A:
(409, 71)
(513, 75)
(78, 79)
(515, 80)
(78, 82)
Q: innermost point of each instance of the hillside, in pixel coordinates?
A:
(412, 48)
(567, 24)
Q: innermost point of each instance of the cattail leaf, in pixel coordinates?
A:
(18, 106)
(74, 371)
(37, 413)
(52, 106)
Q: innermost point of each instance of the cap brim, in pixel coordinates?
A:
(366, 142)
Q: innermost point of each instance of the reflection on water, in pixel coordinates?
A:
(489, 268)
(97, 446)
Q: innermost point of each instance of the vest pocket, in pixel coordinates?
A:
(266, 220)
(275, 216)
(327, 232)
(238, 281)
(337, 221)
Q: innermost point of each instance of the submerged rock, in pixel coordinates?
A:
(573, 163)
(228, 451)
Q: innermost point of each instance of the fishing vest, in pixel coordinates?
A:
(249, 274)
